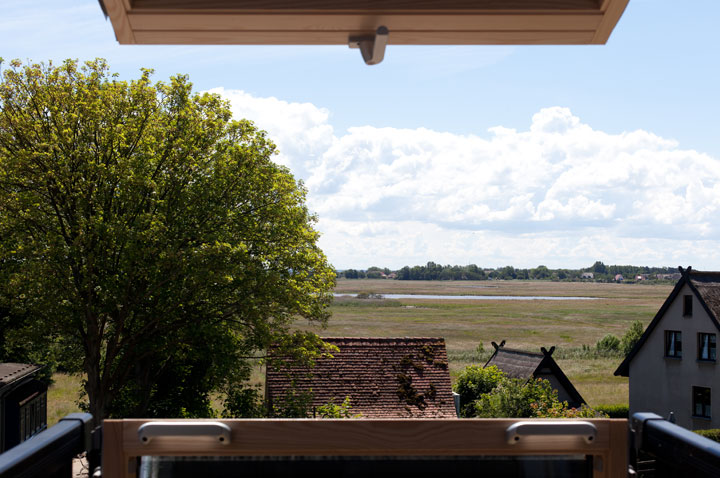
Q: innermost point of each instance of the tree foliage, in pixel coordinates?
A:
(473, 382)
(490, 393)
(631, 337)
(147, 236)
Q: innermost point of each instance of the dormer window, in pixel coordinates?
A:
(687, 306)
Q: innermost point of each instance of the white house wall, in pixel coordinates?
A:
(662, 384)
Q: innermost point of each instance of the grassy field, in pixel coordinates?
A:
(524, 324)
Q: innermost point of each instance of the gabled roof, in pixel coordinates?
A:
(522, 364)
(515, 363)
(706, 287)
(384, 378)
(12, 372)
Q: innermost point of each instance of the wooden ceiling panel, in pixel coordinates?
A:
(333, 22)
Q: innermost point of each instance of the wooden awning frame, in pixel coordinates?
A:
(327, 22)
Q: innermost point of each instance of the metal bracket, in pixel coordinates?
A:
(86, 420)
(216, 430)
(521, 430)
(371, 47)
(637, 425)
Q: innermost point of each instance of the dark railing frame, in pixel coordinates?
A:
(675, 450)
(51, 452)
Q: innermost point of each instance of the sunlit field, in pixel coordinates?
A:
(523, 324)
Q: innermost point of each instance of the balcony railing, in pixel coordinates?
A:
(500, 447)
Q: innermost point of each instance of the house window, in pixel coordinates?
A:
(687, 305)
(706, 347)
(701, 402)
(673, 343)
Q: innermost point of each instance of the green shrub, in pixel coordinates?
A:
(609, 343)
(712, 433)
(614, 411)
(331, 410)
(473, 382)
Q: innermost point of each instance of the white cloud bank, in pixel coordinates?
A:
(560, 194)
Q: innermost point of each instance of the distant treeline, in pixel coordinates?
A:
(598, 272)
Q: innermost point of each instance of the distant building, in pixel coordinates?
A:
(23, 404)
(384, 378)
(618, 278)
(587, 275)
(673, 367)
(527, 365)
(640, 277)
(675, 276)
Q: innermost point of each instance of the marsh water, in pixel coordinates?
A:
(473, 297)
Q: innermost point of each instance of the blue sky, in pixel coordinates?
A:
(494, 155)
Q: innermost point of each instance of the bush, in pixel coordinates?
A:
(609, 343)
(473, 382)
(330, 410)
(614, 411)
(712, 433)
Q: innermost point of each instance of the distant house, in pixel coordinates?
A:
(587, 275)
(384, 378)
(618, 278)
(640, 277)
(23, 404)
(673, 367)
(526, 365)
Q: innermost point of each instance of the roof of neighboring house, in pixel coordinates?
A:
(522, 364)
(384, 378)
(706, 287)
(12, 372)
(515, 363)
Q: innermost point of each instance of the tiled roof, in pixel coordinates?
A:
(384, 378)
(708, 286)
(11, 372)
(516, 363)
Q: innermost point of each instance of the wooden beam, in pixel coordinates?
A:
(345, 22)
(117, 10)
(468, 437)
(335, 38)
(610, 18)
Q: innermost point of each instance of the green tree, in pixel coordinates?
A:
(149, 236)
(631, 337)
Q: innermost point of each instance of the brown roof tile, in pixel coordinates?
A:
(384, 378)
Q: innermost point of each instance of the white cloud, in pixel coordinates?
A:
(560, 193)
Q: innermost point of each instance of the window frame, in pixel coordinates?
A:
(677, 344)
(698, 398)
(711, 349)
(687, 305)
